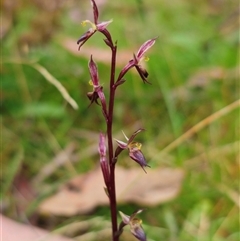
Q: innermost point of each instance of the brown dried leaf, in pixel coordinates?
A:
(202, 79)
(14, 231)
(85, 192)
(102, 55)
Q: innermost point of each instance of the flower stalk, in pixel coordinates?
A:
(108, 162)
(112, 191)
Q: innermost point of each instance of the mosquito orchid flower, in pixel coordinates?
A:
(134, 149)
(135, 225)
(97, 88)
(95, 26)
(136, 61)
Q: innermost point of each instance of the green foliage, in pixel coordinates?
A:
(192, 69)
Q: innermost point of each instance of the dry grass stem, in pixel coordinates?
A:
(50, 78)
(205, 122)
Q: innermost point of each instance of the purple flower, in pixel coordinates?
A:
(101, 27)
(135, 225)
(103, 160)
(134, 149)
(97, 88)
(135, 62)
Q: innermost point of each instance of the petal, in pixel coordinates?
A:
(103, 101)
(101, 26)
(102, 146)
(134, 135)
(117, 152)
(108, 39)
(93, 72)
(147, 45)
(138, 157)
(125, 218)
(105, 169)
(95, 11)
(122, 144)
(103, 160)
(93, 97)
(143, 73)
(136, 212)
(85, 37)
(125, 136)
(128, 66)
(120, 82)
(138, 232)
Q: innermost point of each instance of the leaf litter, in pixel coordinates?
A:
(85, 192)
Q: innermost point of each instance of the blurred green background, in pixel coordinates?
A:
(194, 71)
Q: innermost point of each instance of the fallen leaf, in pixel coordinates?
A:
(202, 79)
(85, 192)
(13, 231)
(102, 55)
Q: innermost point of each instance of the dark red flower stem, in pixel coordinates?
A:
(111, 188)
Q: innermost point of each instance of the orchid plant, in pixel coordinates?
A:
(109, 156)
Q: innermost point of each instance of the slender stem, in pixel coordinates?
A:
(111, 105)
(113, 203)
(111, 188)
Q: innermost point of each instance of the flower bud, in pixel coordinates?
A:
(103, 160)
